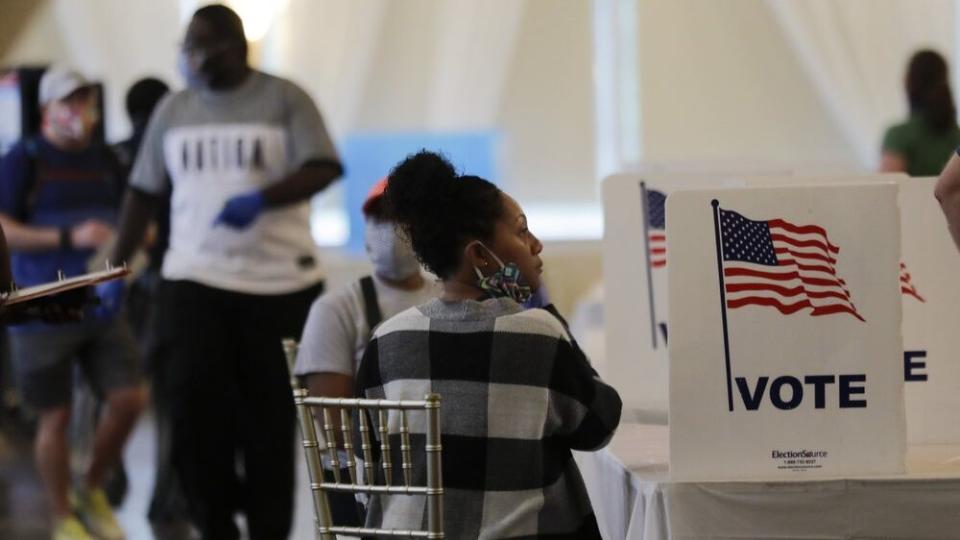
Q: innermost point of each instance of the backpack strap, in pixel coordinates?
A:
(371, 305)
(31, 146)
(31, 188)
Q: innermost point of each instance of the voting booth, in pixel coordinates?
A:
(816, 396)
(930, 287)
(635, 263)
(635, 300)
(637, 304)
(930, 296)
(785, 333)
(635, 269)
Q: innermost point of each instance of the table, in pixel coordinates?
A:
(633, 498)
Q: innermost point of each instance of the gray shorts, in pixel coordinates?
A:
(44, 358)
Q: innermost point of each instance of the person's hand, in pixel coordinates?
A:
(65, 307)
(241, 211)
(60, 308)
(111, 294)
(90, 234)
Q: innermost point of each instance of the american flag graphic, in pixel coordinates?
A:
(656, 225)
(907, 287)
(781, 265)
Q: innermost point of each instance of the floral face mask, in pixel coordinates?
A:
(505, 282)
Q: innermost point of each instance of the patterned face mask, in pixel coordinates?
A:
(505, 282)
(73, 124)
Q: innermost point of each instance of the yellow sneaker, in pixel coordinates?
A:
(70, 528)
(95, 512)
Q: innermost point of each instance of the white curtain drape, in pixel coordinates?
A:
(617, 99)
(328, 47)
(855, 52)
(471, 60)
(458, 61)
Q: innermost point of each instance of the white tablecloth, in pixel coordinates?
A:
(633, 498)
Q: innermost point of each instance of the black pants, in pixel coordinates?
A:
(150, 325)
(345, 511)
(232, 410)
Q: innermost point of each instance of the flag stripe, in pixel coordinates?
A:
(806, 229)
(784, 291)
(827, 250)
(658, 249)
(778, 264)
(809, 267)
(786, 309)
(804, 255)
(912, 292)
(906, 284)
(835, 308)
(784, 276)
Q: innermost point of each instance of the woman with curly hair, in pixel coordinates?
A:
(518, 394)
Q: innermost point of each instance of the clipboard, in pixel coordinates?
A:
(35, 292)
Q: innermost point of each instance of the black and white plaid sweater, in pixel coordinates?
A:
(517, 396)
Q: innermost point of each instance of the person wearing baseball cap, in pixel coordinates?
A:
(342, 321)
(59, 194)
(58, 82)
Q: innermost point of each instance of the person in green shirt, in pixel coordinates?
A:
(922, 144)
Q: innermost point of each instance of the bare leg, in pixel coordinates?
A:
(53, 457)
(123, 408)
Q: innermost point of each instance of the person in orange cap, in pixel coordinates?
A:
(342, 321)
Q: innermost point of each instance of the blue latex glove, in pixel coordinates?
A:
(111, 295)
(240, 211)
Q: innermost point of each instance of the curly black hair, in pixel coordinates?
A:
(441, 211)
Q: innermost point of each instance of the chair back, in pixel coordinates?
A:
(323, 410)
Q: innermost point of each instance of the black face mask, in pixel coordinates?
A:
(203, 67)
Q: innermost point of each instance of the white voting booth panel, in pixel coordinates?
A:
(931, 314)
(635, 284)
(785, 346)
(930, 293)
(635, 344)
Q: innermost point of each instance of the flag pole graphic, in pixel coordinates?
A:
(723, 300)
(646, 251)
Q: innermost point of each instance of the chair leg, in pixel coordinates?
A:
(311, 449)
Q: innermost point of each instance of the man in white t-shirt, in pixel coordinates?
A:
(341, 322)
(239, 154)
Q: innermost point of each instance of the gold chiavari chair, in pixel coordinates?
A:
(314, 447)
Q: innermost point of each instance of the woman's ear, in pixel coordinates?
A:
(475, 256)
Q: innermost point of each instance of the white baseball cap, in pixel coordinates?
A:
(58, 83)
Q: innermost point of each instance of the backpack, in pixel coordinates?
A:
(31, 147)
